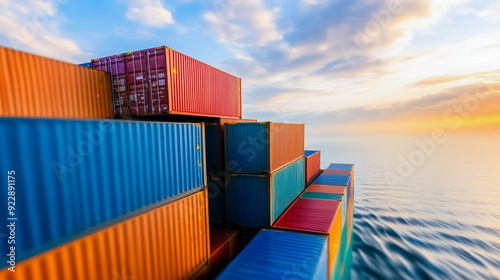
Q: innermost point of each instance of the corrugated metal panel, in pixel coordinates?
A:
(170, 242)
(197, 88)
(162, 81)
(74, 175)
(216, 187)
(263, 148)
(327, 189)
(313, 159)
(316, 216)
(331, 196)
(35, 86)
(223, 248)
(257, 200)
(280, 255)
(286, 144)
(247, 200)
(216, 145)
(247, 148)
(287, 184)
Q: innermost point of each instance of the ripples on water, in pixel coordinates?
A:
(443, 222)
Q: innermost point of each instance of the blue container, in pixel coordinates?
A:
(340, 167)
(336, 180)
(74, 177)
(280, 255)
(216, 187)
(258, 200)
(262, 148)
(331, 196)
(309, 153)
(86, 64)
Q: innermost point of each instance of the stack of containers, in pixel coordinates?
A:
(266, 171)
(97, 199)
(164, 84)
(323, 213)
(216, 166)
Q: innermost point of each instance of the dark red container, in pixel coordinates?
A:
(313, 159)
(160, 81)
(223, 248)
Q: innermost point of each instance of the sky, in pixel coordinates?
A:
(356, 67)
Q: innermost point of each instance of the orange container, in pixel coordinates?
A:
(327, 189)
(35, 86)
(169, 242)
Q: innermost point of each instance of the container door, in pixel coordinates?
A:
(157, 69)
(137, 79)
(116, 67)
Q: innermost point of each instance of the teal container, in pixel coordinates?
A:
(331, 196)
(258, 200)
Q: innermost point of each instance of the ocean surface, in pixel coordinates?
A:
(422, 209)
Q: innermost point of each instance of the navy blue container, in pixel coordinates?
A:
(280, 255)
(72, 177)
(216, 204)
(258, 200)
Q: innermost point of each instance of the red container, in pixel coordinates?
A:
(319, 216)
(313, 159)
(160, 81)
(223, 248)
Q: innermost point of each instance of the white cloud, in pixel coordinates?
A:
(33, 26)
(244, 22)
(491, 12)
(149, 12)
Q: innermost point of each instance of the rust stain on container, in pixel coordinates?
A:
(35, 86)
(170, 242)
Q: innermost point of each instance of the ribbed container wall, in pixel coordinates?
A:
(199, 89)
(313, 159)
(223, 248)
(286, 144)
(319, 216)
(170, 242)
(286, 184)
(35, 86)
(333, 193)
(263, 148)
(280, 255)
(258, 200)
(216, 145)
(73, 175)
(161, 81)
(216, 199)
